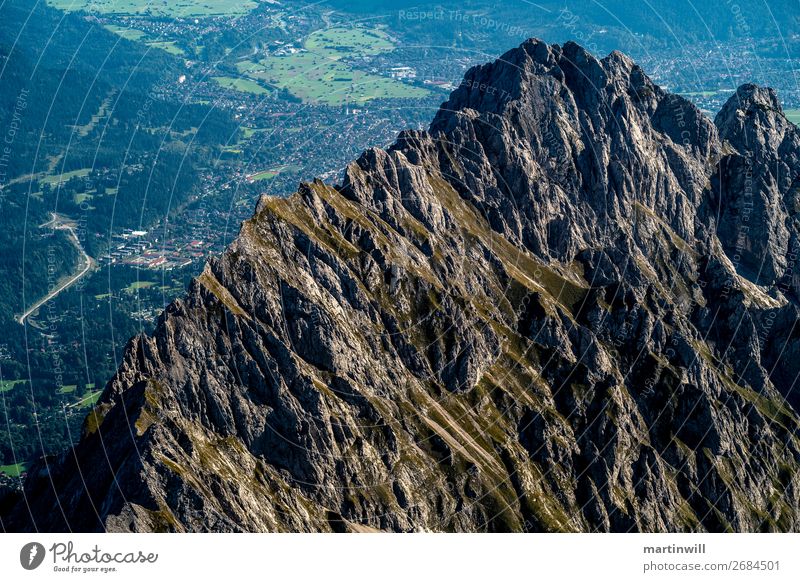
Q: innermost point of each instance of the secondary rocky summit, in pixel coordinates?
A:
(571, 305)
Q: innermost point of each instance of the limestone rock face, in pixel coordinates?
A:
(570, 305)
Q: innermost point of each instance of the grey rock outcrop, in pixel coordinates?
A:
(536, 316)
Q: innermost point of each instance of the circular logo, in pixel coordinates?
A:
(31, 555)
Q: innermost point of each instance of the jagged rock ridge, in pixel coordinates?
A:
(568, 306)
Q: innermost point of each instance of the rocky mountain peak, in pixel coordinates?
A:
(513, 77)
(750, 117)
(586, 137)
(754, 198)
(539, 315)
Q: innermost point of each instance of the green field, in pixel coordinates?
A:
(67, 389)
(167, 45)
(247, 66)
(7, 385)
(136, 285)
(793, 115)
(348, 41)
(129, 33)
(139, 35)
(322, 80)
(274, 171)
(320, 74)
(249, 132)
(89, 400)
(179, 8)
(66, 176)
(243, 85)
(13, 470)
(266, 175)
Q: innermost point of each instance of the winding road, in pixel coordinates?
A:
(87, 263)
